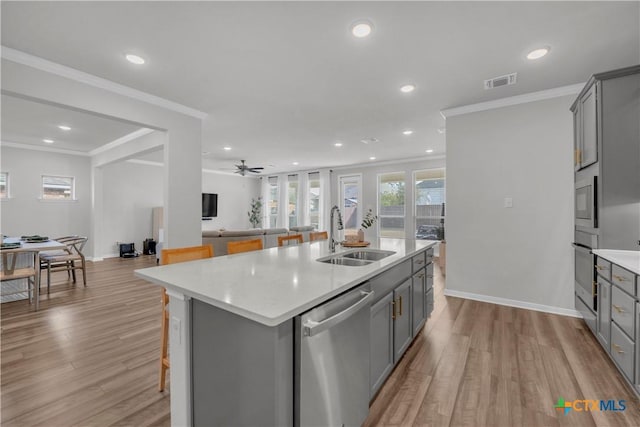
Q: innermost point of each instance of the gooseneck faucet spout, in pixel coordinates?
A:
(332, 241)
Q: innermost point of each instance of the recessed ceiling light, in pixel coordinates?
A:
(361, 29)
(429, 150)
(538, 53)
(338, 144)
(407, 88)
(63, 127)
(48, 141)
(134, 59)
(372, 158)
(226, 148)
(407, 132)
(296, 163)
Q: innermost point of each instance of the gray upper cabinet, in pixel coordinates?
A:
(586, 128)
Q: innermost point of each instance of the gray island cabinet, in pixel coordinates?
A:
(233, 325)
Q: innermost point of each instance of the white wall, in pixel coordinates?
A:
(234, 199)
(25, 214)
(370, 187)
(130, 192)
(521, 253)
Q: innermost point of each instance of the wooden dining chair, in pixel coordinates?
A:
(290, 239)
(318, 235)
(244, 246)
(173, 256)
(12, 270)
(70, 259)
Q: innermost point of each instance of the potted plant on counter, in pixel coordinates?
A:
(368, 220)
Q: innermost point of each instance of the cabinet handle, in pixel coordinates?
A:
(618, 308)
(420, 276)
(400, 306)
(618, 349)
(420, 261)
(601, 267)
(594, 288)
(620, 278)
(393, 308)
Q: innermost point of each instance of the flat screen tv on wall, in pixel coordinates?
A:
(209, 205)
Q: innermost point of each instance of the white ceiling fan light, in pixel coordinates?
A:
(361, 29)
(134, 59)
(538, 53)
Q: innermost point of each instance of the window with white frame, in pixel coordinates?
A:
(350, 192)
(391, 204)
(272, 202)
(429, 191)
(58, 187)
(4, 185)
(313, 192)
(292, 200)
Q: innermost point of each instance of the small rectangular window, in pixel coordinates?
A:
(4, 185)
(314, 199)
(272, 201)
(58, 188)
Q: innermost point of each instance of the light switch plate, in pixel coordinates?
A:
(508, 202)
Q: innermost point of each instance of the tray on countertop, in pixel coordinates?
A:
(354, 244)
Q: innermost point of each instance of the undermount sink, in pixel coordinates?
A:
(356, 258)
(367, 254)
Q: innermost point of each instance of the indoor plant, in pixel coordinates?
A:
(255, 214)
(368, 220)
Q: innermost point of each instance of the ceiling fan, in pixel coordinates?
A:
(243, 169)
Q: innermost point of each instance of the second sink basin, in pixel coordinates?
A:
(367, 254)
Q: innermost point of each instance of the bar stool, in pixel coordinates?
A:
(290, 239)
(244, 246)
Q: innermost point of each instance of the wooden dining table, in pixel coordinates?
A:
(42, 246)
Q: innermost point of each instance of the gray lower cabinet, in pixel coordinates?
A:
(637, 381)
(419, 291)
(604, 312)
(402, 326)
(381, 356)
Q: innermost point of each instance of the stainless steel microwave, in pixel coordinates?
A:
(586, 202)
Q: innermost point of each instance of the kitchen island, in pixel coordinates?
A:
(231, 324)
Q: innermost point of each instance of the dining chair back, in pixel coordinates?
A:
(173, 256)
(295, 239)
(244, 246)
(318, 235)
(69, 259)
(12, 269)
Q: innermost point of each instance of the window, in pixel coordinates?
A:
(58, 188)
(272, 202)
(4, 185)
(314, 199)
(350, 190)
(391, 195)
(292, 200)
(430, 203)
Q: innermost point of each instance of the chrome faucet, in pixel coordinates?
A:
(332, 241)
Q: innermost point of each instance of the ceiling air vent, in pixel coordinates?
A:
(507, 80)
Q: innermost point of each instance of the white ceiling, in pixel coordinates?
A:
(28, 122)
(283, 81)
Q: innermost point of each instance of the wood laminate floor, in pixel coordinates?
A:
(89, 357)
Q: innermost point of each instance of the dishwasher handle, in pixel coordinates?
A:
(311, 327)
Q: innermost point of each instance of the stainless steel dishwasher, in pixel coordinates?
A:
(332, 361)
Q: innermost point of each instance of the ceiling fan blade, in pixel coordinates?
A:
(254, 169)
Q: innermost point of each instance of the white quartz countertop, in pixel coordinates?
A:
(625, 259)
(274, 285)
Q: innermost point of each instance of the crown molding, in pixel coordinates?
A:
(42, 148)
(390, 162)
(33, 61)
(513, 100)
(145, 162)
(116, 142)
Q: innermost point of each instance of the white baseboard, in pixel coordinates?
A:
(94, 259)
(514, 303)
